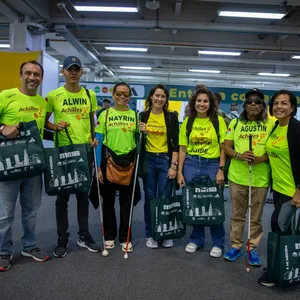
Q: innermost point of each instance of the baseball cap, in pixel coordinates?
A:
(253, 92)
(71, 61)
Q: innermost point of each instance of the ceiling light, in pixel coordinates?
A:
(135, 68)
(106, 8)
(296, 57)
(126, 49)
(275, 74)
(4, 45)
(219, 53)
(204, 71)
(247, 14)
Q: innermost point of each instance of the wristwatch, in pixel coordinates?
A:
(1, 128)
(221, 168)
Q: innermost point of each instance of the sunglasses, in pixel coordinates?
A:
(119, 94)
(254, 100)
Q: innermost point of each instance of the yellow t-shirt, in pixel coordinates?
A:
(16, 107)
(279, 156)
(73, 108)
(239, 170)
(121, 130)
(203, 140)
(156, 140)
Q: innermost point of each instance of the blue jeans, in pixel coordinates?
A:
(198, 166)
(156, 182)
(30, 190)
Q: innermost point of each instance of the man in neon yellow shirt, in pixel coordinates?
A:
(252, 121)
(21, 105)
(71, 106)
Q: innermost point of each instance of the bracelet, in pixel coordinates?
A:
(237, 156)
(174, 163)
(2, 127)
(175, 169)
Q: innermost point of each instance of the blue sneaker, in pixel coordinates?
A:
(233, 254)
(254, 259)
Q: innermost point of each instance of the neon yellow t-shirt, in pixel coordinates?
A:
(16, 107)
(203, 140)
(73, 108)
(239, 170)
(156, 140)
(279, 156)
(121, 130)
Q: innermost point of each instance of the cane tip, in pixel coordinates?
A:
(126, 255)
(248, 270)
(104, 252)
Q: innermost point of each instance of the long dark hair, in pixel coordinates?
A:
(148, 104)
(263, 116)
(212, 110)
(293, 100)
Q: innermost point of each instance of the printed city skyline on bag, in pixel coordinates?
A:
(292, 270)
(23, 156)
(203, 205)
(67, 171)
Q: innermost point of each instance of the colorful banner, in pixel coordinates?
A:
(10, 65)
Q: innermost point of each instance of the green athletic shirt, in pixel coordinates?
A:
(279, 156)
(203, 140)
(16, 107)
(73, 108)
(239, 170)
(121, 130)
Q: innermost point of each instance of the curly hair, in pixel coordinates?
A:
(149, 104)
(212, 110)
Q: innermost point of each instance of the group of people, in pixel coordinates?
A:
(169, 154)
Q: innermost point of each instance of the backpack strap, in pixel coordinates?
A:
(216, 125)
(189, 126)
(276, 124)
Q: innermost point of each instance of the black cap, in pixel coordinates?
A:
(71, 61)
(255, 92)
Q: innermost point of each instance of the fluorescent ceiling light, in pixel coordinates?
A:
(204, 71)
(4, 45)
(296, 57)
(135, 68)
(105, 8)
(219, 53)
(126, 49)
(275, 74)
(247, 14)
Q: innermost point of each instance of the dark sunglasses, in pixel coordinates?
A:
(254, 100)
(119, 94)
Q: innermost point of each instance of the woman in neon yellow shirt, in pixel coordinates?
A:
(283, 148)
(201, 153)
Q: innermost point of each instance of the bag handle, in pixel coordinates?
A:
(57, 139)
(202, 181)
(295, 223)
(173, 188)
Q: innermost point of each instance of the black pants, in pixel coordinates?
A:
(282, 214)
(62, 214)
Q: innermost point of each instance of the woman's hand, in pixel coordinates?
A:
(296, 199)
(180, 180)
(62, 125)
(172, 173)
(100, 175)
(143, 127)
(94, 143)
(220, 178)
(246, 156)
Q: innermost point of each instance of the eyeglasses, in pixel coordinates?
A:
(254, 100)
(119, 94)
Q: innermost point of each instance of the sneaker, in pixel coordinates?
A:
(86, 241)
(151, 243)
(129, 249)
(216, 252)
(167, 243)
(109, 244)
(263, 280)
(233, 254)
(36, 253)
(61, 248)
(191, 248)
(5, 260)
(254, 259)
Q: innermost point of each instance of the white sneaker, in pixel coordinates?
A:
(167, 243)
(129, 249)
(216, 252)
(191, 248)
(109, 244)
(151, 243)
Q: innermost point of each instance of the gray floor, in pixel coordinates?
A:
(147, 274)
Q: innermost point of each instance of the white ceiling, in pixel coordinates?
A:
(173, 35)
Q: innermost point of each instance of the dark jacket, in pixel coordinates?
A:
(293, 137)
(172, 125)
